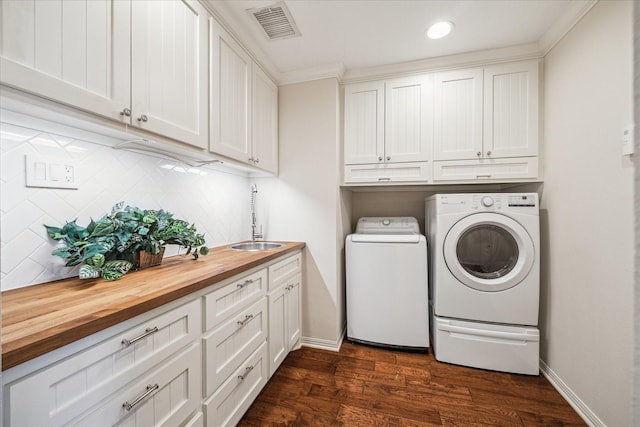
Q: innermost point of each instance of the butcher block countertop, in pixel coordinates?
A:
(40, 318)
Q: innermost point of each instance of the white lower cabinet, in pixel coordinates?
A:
(172, 366)
(167, 396)
(284, 321)
(229, 344)
(232, 399)
(75, 385)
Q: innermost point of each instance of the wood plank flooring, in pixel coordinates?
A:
(368, 386)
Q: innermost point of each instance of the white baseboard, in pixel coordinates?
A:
(576, 403)
(324, 344)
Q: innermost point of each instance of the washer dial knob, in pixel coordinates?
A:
(487, 201)
(386, 222)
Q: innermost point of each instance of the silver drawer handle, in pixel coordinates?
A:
(147, 332)
(150, 389)
(384, 179)
(246, 319)
(246, 283)
(246, 372)
(483, 176)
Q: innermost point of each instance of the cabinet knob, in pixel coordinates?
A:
(380, 158)
(126, 112)
(488, 153)
(388, 157)
(143, 118)
(479, 154)
(256, 161)
(251, 159)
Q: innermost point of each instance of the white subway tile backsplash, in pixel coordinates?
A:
(217, 202)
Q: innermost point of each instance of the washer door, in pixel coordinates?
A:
(489, 252)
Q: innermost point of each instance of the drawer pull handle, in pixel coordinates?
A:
(246, 372)
(246, 283)
(150, 389)
(384, 179)
(147, 332)
(246, 319)
(483, 176)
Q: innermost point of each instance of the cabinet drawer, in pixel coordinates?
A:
(222, 303)
(165, 397)
(489, 169)
(231, 343)
(233, 398)
(69, 388)
(387, 173)
(282, 270)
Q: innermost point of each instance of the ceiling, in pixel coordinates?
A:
(365, 34)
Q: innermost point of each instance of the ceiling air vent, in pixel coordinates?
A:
(276, 21)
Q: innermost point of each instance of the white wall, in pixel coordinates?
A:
(587, 213)
(303, 203)
(218, 203)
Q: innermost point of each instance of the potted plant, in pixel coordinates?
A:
(112, 245)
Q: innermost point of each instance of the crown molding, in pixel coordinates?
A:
(574, 13)
(329, 71)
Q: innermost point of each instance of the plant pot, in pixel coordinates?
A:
(144, 259)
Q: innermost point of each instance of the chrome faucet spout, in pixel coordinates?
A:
(254, 234)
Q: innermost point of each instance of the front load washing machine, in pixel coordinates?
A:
(485, 279)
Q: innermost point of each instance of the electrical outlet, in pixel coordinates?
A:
(46, 172)
(627, 140)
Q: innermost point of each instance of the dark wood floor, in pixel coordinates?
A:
(367, 386)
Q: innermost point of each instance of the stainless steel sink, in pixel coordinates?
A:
(255, 246)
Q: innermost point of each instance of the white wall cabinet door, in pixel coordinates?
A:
(75, 52)
(364, 123)
(230, 96)
(408, 118)
(169, 69)
(511, 110)
(264, 113)
(458, 114)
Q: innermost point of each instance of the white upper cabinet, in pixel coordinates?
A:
(230, 95)
(457, 114)
(264, 129)
(141, 63)
(169, 77)
(511, 109)
(76, 52)
(388, 122)
(244, 105)
(487, 113)
(408, 116)
(364, 123)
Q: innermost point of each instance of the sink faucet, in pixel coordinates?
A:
(254, 234)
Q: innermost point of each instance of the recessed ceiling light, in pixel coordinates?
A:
(439, 30)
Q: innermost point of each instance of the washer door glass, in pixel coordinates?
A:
(489, 252)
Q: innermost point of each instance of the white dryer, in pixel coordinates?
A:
(387, 283)
(485, 279)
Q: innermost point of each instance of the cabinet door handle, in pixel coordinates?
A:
(380, 158)
(488, 153)
(388, 157)
(479, 154)
(146, 333)
(126, 112)
(246, 319)
(251, 159)
(246, 372)
(150, 389)
(143, 118)
(246, 283)
(257, 160)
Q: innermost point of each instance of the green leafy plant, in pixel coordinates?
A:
(107, 247)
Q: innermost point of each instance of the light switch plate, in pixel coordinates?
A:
(49, 172)
(627, 140)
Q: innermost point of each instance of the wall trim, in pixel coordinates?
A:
(571, 397)
(323, 344)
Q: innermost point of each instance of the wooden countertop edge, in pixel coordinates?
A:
(17, 351)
